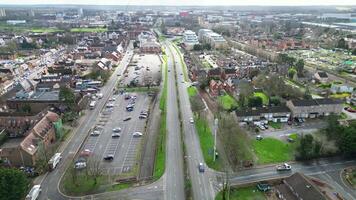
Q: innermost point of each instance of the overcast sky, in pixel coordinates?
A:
(185, 2)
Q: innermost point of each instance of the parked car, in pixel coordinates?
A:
(137, 134)
(201, 168)
(95, 133)
(115, 135)
(259, 137)
(109, 157)
(80, 165)
(142, 116)
(116, 130)
(85, 152)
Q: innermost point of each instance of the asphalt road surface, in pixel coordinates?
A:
(174, 178)
(201, 182)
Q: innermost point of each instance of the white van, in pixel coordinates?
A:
(53, 162)
(34, 193)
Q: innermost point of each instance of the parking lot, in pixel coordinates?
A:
(143, 69)
(125, 148)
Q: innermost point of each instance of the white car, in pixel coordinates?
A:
(95, 133)
(116, 130)
(137, 134)
(80, 165)
(191, 120)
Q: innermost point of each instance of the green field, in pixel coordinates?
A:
(263, 96)
(227, 102)
(46, 30)
(293, 136)
(83, 185)
(88, 30)
(270, 150)
(206, 142)
(192, 91)
(247, 193)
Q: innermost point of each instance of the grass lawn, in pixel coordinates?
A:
(227, 101)
(206, 143)
(88, 30)
(293, 136)
(246, 193)
(192, 91)
(83, 184)
(340, 95)
(275, 125)
(263, 96)
(119, 186)
(270, 150)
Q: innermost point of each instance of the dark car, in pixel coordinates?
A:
(201, 167)
(127, 119)
(109, 157)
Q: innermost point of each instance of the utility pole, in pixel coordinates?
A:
(215, 132)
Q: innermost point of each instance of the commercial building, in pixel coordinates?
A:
(190, 39)
(212, 38)
(312, 108)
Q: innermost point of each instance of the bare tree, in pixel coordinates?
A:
(94, 169)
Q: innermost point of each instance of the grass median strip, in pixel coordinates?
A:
(160, 158)
(206, 142)
(181, 62)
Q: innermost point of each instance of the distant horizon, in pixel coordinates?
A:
(200, 3)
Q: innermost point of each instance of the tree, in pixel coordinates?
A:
(13, 184)
(307, 93)
(67, 96)
(246, 90)
(300, 66)
(274, 100)
(305, 148)
(342, 44)
(255, 102)
(291, 72)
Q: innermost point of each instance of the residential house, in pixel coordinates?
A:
(299, 187)
(312, 108)
(24, 151)
(215, 87)
(265, 114)
(321, 77)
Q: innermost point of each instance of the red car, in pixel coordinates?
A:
(85, 152)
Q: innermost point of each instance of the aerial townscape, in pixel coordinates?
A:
(177, 100)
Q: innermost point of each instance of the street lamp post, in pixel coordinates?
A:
(215, 131)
